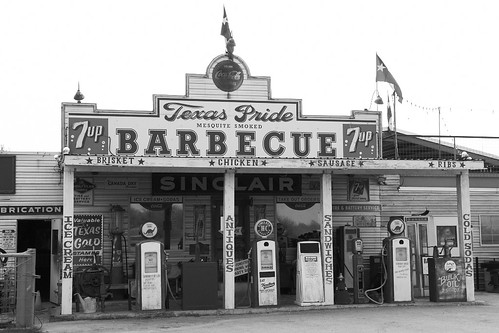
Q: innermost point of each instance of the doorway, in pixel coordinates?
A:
(417, 232)
(36, 234)
(242, 233)
(242, 244)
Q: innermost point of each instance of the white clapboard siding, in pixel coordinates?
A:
(38, 181)
(104, 197)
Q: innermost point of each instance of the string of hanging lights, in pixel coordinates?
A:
(419, 106)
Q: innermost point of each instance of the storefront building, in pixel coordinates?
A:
(434, 196)
(31, 214)
(204, 168)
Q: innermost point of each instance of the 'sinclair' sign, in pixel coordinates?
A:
(221, 129)
(210, 183)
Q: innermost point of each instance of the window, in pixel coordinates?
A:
(7, 174)
(489, 229)
(296, 221)
(447, 234)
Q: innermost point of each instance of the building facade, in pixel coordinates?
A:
(31, 211)
(205, 169)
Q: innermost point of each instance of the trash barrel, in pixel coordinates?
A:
(491, 276)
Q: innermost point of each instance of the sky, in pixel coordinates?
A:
(443, 54)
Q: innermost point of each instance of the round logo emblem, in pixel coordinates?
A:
(149, 230)
(396, 227)
(264, 228)
(450, 266)
(227, 76)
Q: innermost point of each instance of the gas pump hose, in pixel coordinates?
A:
(170, 291)
(248, 284)
(385, 277)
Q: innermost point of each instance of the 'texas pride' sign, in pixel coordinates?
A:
(229, 129)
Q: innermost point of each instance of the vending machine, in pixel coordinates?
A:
(264, 273)
(150, 275)
(397, 252)
(309, 279)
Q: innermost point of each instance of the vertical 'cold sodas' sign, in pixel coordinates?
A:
(222, 129)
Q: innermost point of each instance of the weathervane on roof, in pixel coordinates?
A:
(79, 96)
(229, 40)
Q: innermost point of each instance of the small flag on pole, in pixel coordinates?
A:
(389, 113)
(229, 40)
(225, 27)
(383, 74)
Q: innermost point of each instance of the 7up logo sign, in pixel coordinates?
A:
(87, 135)
(359, 141)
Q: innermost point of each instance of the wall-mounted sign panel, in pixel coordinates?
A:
(8, 236)
(171, 183)
(222, 129)
(83, 192)
(30, 210)
(88, 239)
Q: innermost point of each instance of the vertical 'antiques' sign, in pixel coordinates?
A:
(229, 244)
(88, 239)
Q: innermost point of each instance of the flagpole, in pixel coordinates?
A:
(439, 136)
(395, 127)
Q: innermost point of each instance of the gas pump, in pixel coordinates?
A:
(150, 271)
(309, 280)
(358, 271)
(264, 266)
(345, 236)
(397, 251)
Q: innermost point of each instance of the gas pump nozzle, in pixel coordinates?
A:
(358, 246)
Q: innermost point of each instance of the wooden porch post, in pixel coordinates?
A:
(327, 237)
(466, 237)
(229, 239)
(67, 242)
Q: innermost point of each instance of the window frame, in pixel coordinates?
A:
(10, 171)
(491, 218)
